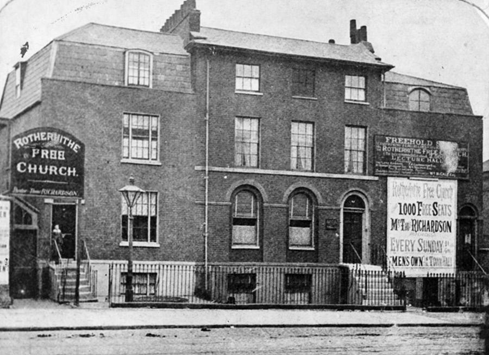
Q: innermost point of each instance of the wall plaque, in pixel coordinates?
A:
(402, 156)
(47, 162)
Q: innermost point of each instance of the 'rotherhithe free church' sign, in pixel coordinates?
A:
(47, 162)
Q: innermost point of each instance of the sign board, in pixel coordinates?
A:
(4, 241)
(421, 226)
(47, 162)
(401, 156)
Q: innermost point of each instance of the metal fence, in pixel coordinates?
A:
(463, 289)
(252, 284)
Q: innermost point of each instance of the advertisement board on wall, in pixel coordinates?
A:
(421, 225)
(4, 241)
(431, 158)
(47, 162)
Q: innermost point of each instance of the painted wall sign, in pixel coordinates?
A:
(401, 156)
(47, 162)
(421, 225)
(4, 241)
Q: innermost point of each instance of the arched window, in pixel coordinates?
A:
(139, 67)
(245, 219)
(419, 100)
(301, 221)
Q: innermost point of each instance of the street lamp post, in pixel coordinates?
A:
(131, 194)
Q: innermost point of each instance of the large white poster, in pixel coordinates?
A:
(421, 225)
(4, 241)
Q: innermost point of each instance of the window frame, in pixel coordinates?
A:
(312, 148)
(300, 88)
(127, 69)
(238, 144)
(138, 285)
(124, 237)
(349, 89)
(130, 158)
(346, 162)
(256, 207)
(18, 80)
(311, 209)
(297, 283)
(417, 100)
(252, 78)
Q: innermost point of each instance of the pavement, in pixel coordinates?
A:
(43, 315)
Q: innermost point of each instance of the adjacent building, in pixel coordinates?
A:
(251, 150)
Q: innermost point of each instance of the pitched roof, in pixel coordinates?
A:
(393, 77)
(356, 53)
(103, 35)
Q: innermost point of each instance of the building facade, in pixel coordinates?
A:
(250, 149)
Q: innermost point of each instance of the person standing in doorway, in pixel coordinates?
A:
(58, 238)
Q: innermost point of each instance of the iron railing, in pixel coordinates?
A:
(463, 289)
(303, 284)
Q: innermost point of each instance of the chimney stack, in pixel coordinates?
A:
(184, 20)
(353, 32)
(357, 35)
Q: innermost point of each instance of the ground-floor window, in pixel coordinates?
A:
(143, 283)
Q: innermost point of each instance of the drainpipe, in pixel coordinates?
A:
(206, 177)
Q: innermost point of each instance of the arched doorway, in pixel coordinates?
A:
(466, 241)
(353, 228)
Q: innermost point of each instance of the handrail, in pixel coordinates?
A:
(389, 263)
(479, 265)
(86, 252)
(57, 250)
(356, 252)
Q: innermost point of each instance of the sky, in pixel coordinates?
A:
(440, 40)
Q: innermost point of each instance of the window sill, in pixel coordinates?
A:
(364, 103)
(255, 93)
(141, 162)
(245, 247)
(140, 244)
(304, 98)
(302, 248)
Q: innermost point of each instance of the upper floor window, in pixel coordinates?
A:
(246, 142)
(247, 77)
(300, 221)
(302, 146)
(355, 150)
(145, 218)
(303, 82)
(419, 100)
(355, 88)
(138, 68)
(140, 137)
(245, 219)
(18, 80)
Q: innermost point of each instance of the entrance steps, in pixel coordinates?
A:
(65, 278)
(370, 285)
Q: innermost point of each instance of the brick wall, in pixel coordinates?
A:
(93, 114)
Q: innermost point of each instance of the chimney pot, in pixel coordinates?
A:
(353, 32)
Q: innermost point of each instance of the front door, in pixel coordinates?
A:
(64, 216)
(465, 245)
(23, 257)
(352, 237)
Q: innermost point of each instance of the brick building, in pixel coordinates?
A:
(252, 149)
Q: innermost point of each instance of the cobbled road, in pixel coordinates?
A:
(237, 341)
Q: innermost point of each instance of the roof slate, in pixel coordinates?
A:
(356, 53)
(393, 77)
(103, 35)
